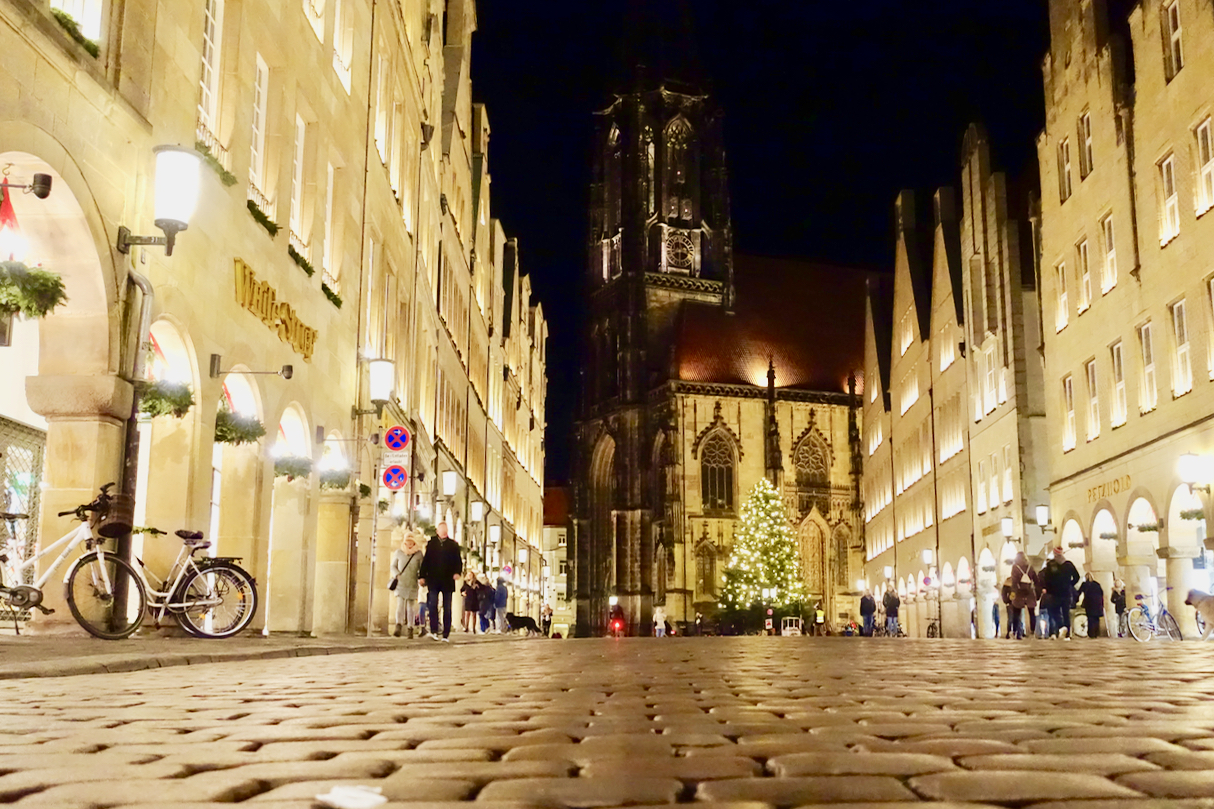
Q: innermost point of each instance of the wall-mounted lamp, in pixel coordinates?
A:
(613, 600)
(861, 585)
(177, 179)
(522, 556)
(450, 483)
(1043, 519)
(889, 572)
(1008, 526)
(381, 382)
(928, 556)
(286, 371)
(1196, 471)
(476, 511)
(495, 534)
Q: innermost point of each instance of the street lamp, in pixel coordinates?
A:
(1195, 471)
(176, 188)
(495, 534)
(381, 375)
(450, 483)
(476, 511)
(889, 572)
(1008, 525)
(928, 556)
(1043, 518)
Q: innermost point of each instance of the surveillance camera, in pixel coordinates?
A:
(41, 186)
(287, 371)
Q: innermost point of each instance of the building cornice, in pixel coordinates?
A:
(751, 392)
(684, 282)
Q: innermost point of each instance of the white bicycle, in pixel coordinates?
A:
(104, 593)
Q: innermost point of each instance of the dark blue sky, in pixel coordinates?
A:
(831, 108)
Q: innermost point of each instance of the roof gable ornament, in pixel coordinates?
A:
(718, 424)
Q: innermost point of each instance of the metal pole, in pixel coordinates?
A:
(374, 539)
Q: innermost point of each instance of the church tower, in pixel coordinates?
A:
(659, 236)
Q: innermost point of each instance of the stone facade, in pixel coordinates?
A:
(1126, 173)
(350, 126)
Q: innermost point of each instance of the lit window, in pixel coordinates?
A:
(906, 335)
(327, 260)
(1068, 411)
(994, 492)
(343, 43)
(1182, 381)
(382, 110)
(1149, 395)
(981, 487)
(948, 350)
(1062, 309)
(1172, 30)
(1170, 215)
(257, 161)
(1108, 279)
(991, 388)
(212, 29)
(1119, 400)
(86, 13)
(910, 391)
(1085, 275)
(314, 10)
(1205, 163)
(1007, 473)
(716, 473)
(1086, 163)
(1093, 401)
(297, 175)
(1064, 170)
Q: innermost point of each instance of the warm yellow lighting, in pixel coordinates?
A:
(450, 483)
(477, 510)
(177, 180)
(1043, 515)
(382, 379)
(1008, 525)
(13, 244)
(495, 534)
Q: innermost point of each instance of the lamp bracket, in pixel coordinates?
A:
(377, 410)
(286, 371)
(127, 240)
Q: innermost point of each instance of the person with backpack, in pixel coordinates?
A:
(1026, 584)
(1058, 580)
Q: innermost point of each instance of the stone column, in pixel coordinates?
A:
(287, 581)
(86, 418)
(387, 539)
(1179, 562)
(1137, 573)
(332, 563)
(171, 465)
(242, 507)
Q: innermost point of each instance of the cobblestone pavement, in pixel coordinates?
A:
(748, 722)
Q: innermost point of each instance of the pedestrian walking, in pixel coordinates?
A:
(406, 566)
(1118, 599)
(819, 619)
(546, 620)
(891, 602)
(659, 622)
(501, 597)
(470, 592)
(1013, 614)
(1058, 580)
(1026, 585)
(868, 610)
(485, 592)
(440, 570)
(995, 617)
(1091, 598)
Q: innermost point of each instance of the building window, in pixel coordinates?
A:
(1085, 275)
(381, 110)
(343, 44)
(1108, 278)
(1062, 309)
(1085, 151)
(1172, 31)
(1170, 215)
(1093, 400)
(716, 472)
(1068, 412)
(1182, 381)
(990, 389)
(706, 570)
(948, 349)
(257, 161)
(906, 334)
(297, 175)
(994, 493)
(1118, 415)
(329, 255)
(981, 487)
(86, 13)
(1205, 163)
(1149, 395)
(910, 391)
(314, 10)
(212, 30)
(1007, 473)
(1064, 170)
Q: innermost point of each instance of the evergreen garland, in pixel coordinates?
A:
(68, 23)
(263, 220)
(333, 297)
(364, 490)
(30, 291)
(226, 177)
(233, 428)
(1193, 514)
(292, 466)
(165, 399)
(335, 478)
(765, 555)
(303, 263)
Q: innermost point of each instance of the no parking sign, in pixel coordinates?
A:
(397, 438)
(395, 478)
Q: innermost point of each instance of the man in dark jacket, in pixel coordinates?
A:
(440, 570)
(868, 609)
(891, 602)
(1092, 596)
(1058, 580)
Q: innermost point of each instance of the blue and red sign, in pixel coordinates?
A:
(395, 478)
(397, 438)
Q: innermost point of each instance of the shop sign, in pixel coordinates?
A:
(262, 300)
(1109, 488)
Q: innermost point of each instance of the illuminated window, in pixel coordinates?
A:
(1061, 306)
(981, 487)
(314, 10)
(1068, 411)
(906, 334)
(1205, 168)
(257, 161)
(948, 349)
(1093, 400)
(1170, 215)
(716, 473)
(1182, 380)
(1118, 415)
(1085, 275)
(1174, 58)
(297, 175)
(1148, 394)
(990, 390)
(212, 30)
(86, 13)
(343, 43)
(382, 109)
(1007, 473)
(1108, 279)
(1064, 170)
(1086, 163)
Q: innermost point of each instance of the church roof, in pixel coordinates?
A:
(556, 505)
(807, 318)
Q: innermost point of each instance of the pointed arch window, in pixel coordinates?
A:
(678, 167)
(650, 162)
(706, 570)
(717, 473)
(811, 462)
(842, 541)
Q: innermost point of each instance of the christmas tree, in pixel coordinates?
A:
(765, 555)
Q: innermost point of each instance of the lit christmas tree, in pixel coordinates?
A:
(765, 555)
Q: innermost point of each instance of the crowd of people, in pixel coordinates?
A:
(424, 582)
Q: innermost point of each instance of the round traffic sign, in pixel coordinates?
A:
(395, 478)
(397, 438)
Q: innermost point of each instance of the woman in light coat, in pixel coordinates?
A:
(406, 562)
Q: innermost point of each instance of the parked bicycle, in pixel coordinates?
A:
(210, 597)
(103, 592)
(1143, 626)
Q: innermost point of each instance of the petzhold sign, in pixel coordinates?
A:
(1109, 488)
(262, 300)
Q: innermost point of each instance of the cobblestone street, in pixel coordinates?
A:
(782, 722)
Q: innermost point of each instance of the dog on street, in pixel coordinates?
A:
(526, 622)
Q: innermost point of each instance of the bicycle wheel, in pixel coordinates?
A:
(1140, 627)
(1079, 626)
(219, 601)
(1168, 624)
(90, 591)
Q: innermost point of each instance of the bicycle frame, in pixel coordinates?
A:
(69, 541)
(159, 600)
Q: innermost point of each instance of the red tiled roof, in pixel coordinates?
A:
(807, 318)
(556, 505)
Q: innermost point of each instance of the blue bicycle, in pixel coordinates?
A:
(1144, 626)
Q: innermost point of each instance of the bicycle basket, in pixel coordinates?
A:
(118, 519)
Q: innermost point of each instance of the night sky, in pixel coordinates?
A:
(831, 108)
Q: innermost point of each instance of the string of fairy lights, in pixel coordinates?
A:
(765, 565)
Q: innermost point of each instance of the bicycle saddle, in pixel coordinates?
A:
(189, 535)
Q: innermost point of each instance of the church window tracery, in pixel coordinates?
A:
(842, 540)
(717, 473)
(811, 461)
(678, 168)
(706, 570)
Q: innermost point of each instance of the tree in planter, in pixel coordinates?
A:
(765, 555)
(233, 428)
(29, 291)
(165, 399)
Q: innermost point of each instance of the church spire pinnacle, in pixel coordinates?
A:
(659, 45)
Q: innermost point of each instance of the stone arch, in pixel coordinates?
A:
(965, 577)
(718, 473)
(600, 562)
(948, 581)
(291, 561)
(814, 555)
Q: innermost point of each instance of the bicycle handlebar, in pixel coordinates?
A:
(101, 503)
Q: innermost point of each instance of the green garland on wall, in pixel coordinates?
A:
(292, 466)
(335, 478)
(232, 428)
(165, 399)
(30, 291)
(68, 23)
(263, 220)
